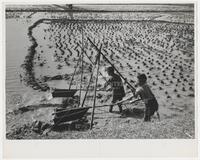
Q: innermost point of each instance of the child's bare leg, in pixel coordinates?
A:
(111, 108)
(120, 108)
(158, 115)
(147, 114)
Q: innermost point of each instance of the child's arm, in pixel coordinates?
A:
(106, 84)
(137, 92)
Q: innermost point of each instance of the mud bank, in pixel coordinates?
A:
(28, 65)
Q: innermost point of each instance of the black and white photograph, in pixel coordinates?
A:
(100, 71)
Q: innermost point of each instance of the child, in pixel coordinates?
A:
(151, 104)
(117, 88)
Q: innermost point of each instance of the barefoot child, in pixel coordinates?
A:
(117, 88)
(151, 104)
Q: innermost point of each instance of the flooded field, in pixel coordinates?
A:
(42, 50)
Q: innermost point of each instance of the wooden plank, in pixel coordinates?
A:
(69, 115)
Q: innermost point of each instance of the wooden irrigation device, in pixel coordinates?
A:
(63, 114)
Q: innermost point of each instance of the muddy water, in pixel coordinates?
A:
(17, 44)
(16, 49)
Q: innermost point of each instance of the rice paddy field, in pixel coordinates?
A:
(43, 49)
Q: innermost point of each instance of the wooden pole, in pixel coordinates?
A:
(81, 64)
(132, 88)
(121, 102)
(101, 106)
(95, 91)
(93, 63)
(89, 82)
(87, 90)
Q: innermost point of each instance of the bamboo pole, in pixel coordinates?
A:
(87, 90)
(132, 88)
(81, 64)
(94, 102)
(91, 61)
(101, 106)
(120, 102)
(89, 83)
(74, 73)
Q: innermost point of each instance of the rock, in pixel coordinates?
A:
(127, 121)
(46, 78)
(45, 126)
(36, 126)
(57, 77)
(24, 109)
(46, 132)
(99, 96)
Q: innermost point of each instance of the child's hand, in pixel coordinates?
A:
(109, 89)
(101, 89)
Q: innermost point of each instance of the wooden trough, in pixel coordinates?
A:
(71, 114)
(66, 115)
(63, 92)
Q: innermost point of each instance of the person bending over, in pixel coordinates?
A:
(145, 93)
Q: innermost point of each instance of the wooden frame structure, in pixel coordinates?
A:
(64, 115)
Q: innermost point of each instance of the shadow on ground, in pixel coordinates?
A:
(134, 113)
(73, 126)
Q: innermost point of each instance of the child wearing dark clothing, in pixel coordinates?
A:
(151, 104)
(117, 88)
